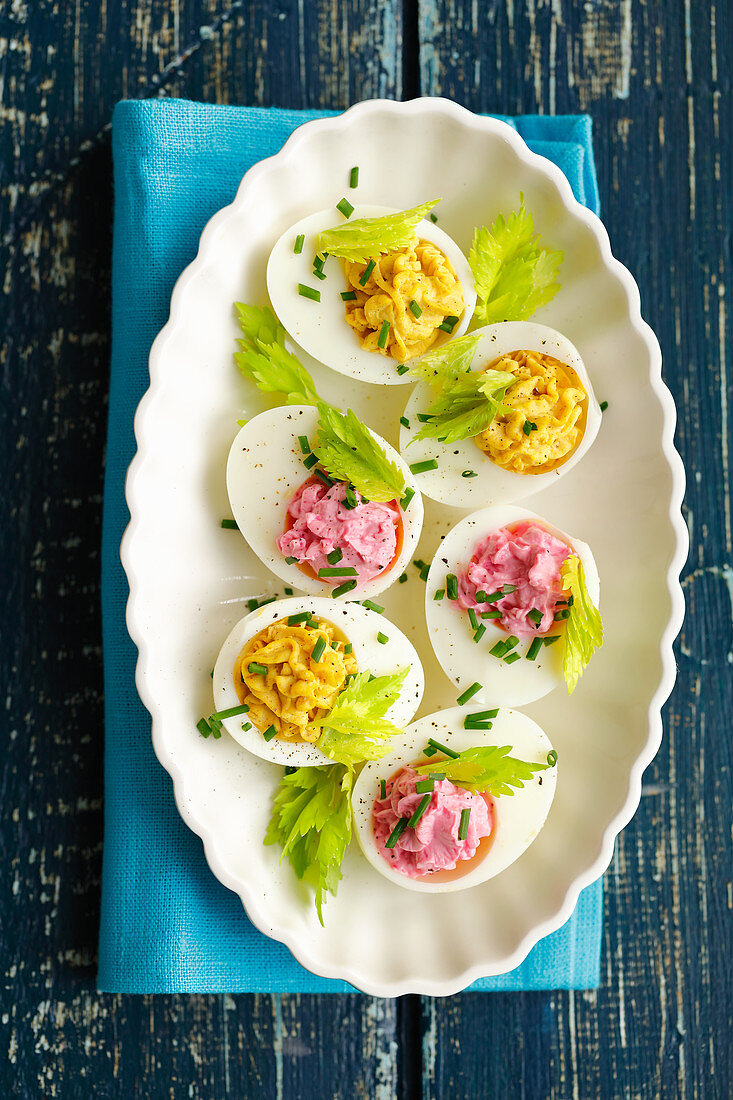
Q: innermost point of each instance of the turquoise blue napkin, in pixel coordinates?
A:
(167, 925)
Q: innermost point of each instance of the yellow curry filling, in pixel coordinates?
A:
(419, 274)
(550, 400)
(295, 693)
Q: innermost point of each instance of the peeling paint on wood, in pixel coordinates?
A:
(656, 77)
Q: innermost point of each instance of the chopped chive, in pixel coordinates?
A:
(404, 422)
(382, 789)
(421, 808)
(424, 785)
(364, 278)
(310, 461)
(354, 177)
(256, 669)
(288, 591)
(551, 638)
(552, 758)
(319, 274)
(348, 295)
(429, 751)
(405, 501)
(301, 617)
(507, 588)
(534, 649)
(230, 525)
(323, 476)
(491, 614)
(348, 648)
(309, 292)
(492, 597)
(512, 658)
(437, 777)
(396, 833)
(403, 368)
(485, 715)
(290, 560)
(383, 334)
(451, 587)
(246, 726)
(215, 727)
(319, 261)
(270, 599)
(535, 616)
(318, 648)
(415, 308)
(204, 728)
(469, 725)
(231, 713)
(382, 638)
(443, 748)
(604, 406)
(402, 578)
(463, 827)
(499, 649)
(425, 417)
(334, 557)
(472, 617)
(433, 217)
(512, 642)
(350, 500)
(439, 593)
(372, 606)
(304, 444)
(338, 571)
(344, 207)
(480, 631)
(299, 242)
(269, 733)
(529, 426)
(560, 615)
(424, 466)
(254, 603)
(481, 596)
(448, 324)
(468, 694)
(342, 588)
(469, 473)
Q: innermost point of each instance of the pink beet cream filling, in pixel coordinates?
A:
(433, 844)
(528, 556)
(367, 535)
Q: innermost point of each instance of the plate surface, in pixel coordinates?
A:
(624, 499)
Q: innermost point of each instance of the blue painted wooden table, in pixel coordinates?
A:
(656, 78)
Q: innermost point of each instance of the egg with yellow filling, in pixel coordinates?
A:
(305, 526)
(548, 419)
(369, 321)
(510, 644)
(421, 857)
(289, 661)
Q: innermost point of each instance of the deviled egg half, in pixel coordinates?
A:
(317, 533)
(465, 812)
(368, 317)
(523, 417)
(502, 622)
(283, 667)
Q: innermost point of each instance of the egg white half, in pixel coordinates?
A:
(466, 662)
(361, 627)
(320, 328)
(492, 484)
(264, 471)
(518, 818)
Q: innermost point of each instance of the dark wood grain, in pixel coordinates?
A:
(656, 77)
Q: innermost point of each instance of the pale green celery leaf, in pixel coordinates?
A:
(362, 239)
(583, 628)
(348, 452)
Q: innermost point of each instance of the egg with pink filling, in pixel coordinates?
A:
(495, 604)
(432, 834)
(317, 534)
